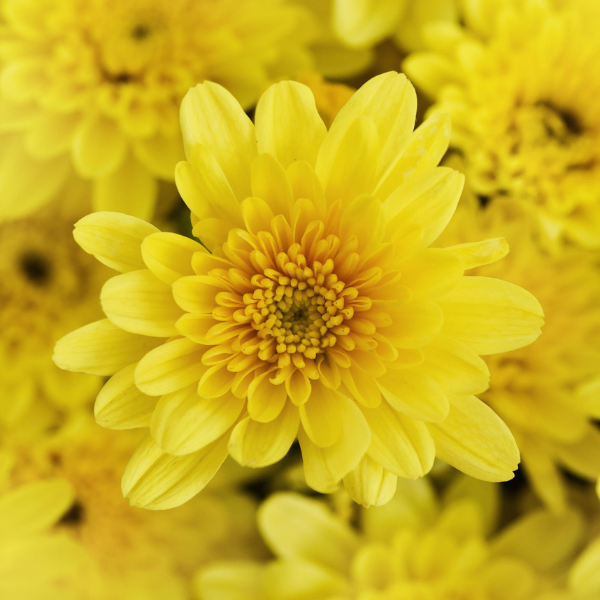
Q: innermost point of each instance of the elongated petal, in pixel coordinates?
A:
(114, 239)
(399, 444)
(169, 256)
(121, 405)
(193, 295)
(475, 440)
(320, 416)
(478, 254)
(288, 125)
(298, 527)
(183, 422)
(325, 467)
(140, 303)
(239, 580)
(156, 480)
(491, 315)
(255, 444)
(431, 272)
(265, 400)
(210, 115)
(370, 484)
(101, 348)
(170, 367)
(415, 323)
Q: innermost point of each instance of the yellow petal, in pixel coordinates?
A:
(101, 348)
(99, 147)
(51, 134)
(196, 327)
(364, 209)
(170, 367)
(399, 444)
(255, 444)
(348, 159)
(298, 387)
(455, 366)
(169, 255)
(295, 527)
(427, 200)
(478, 254)
(491, 315)
(130, 189)
(431, 272)
(34, 506)
(370, 484)
(362, 386)
(415, 323)
(321, 416)
(391, 101)
(204, 186)
(183, 422)
(193, 295)
(265, 400)
(114, 239)
(156, 480)
(584, 577)
(288, 125)
(239, 580)
(325, 467)
(430, 71)
(121, 405)
(140, 303)
(475, 440)
(270, 183)
(210, 115)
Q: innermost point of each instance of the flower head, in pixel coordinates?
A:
(526, 125)
(46, 289)
(96, 85)
(420, 548)
(319, 313)
(547, 393)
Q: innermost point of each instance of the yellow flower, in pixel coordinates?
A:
(416, 548)
(364, 23)
(135, 553)
(320, 312)
(545, 393)
(521, 83)
(95, 86)
(38, 560)
(47, 288)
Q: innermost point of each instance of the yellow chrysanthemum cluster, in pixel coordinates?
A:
(331, 291)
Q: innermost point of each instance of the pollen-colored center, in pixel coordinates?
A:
(301, 307)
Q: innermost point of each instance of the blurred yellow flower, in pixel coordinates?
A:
(135, 554)
(320, 313)
(37, 560)
(521, 83)
(415, 548)
(47, 287)
(546, 393)
(95, 85)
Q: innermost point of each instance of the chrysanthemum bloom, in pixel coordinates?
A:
(47, 287)
(319, 313)
(95, 85)
(521, 82)
(36, 559)
(419, 550)
(135, 553)
(546, 392)
(364, 23)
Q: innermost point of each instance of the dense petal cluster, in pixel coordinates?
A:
(95, 86)
(132, 553)
(47, 287)
(302, 322)
(546, 393)
(523, 114)
(415, 549)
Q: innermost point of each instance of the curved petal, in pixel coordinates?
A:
(370, 484)
(321, 416)
(169, 255)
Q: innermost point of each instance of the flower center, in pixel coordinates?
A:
(298, 310)
(36, 268)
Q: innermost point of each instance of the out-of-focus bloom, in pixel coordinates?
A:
(545, 393)
(413, 548)
(47, 287)
(364, 23)
(135, 554)
(321, 313)
(523, 113)
(95, 86)
(37, 559)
